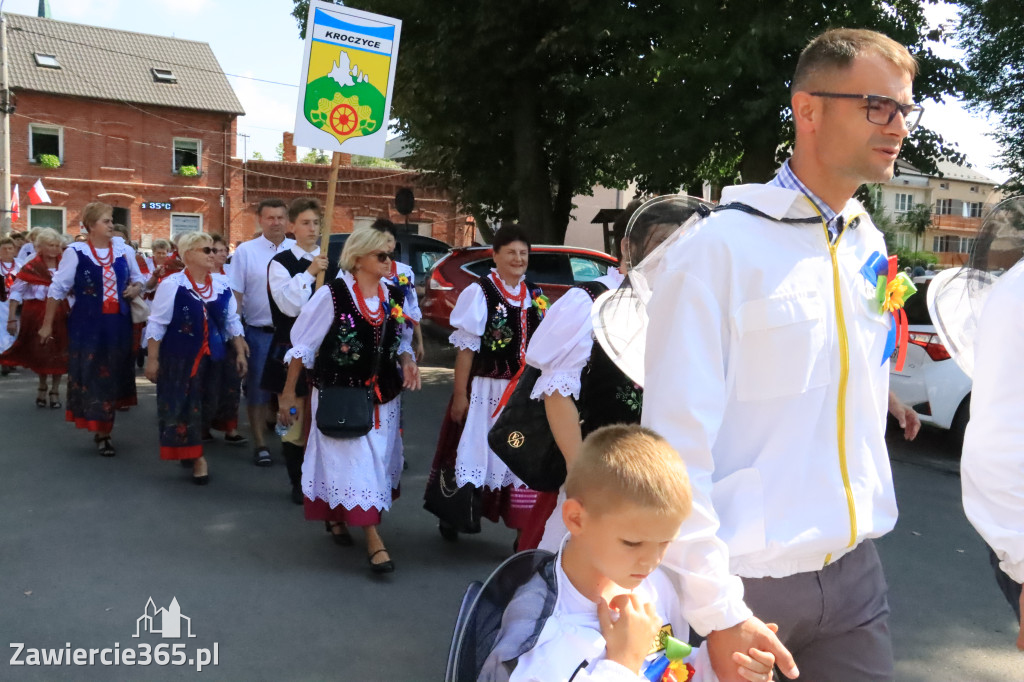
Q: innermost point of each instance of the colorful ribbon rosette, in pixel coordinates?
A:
(540, 302)
(401, 280)
(396, 312)
(669, 665)
(892, 289)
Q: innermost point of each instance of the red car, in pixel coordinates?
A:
(553, 268)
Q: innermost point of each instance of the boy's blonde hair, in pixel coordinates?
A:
(629, 464)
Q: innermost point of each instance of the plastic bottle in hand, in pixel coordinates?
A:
(281, 429)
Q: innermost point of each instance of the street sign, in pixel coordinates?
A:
(348, 73)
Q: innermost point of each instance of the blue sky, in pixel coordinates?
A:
(259, 38)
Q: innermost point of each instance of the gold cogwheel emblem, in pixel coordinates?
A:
(516, 439)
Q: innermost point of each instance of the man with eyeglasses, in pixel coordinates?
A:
(767, 370)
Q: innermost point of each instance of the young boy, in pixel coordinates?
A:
(601, 609)
(8, 322)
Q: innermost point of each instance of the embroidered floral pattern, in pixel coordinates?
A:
(632, 396)
(498, 333)
(349, 345)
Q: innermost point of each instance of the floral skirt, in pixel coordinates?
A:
(26, 351)
(222, 392)
(101, 375)
(179, 407)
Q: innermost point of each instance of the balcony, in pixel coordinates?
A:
(956, 223)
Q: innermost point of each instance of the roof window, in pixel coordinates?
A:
(163, 75)
(48, 61)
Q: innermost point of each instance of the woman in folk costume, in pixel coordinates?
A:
(223, 389)
(30, 288)
(103, 278)
(193, 320)
(494, 319)
(8, 322)
(582, 388)
(403, 277)
(352, 333)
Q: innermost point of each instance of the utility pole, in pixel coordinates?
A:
(5, 133)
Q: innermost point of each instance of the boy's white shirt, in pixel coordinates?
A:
(752, 405)
(572, 635)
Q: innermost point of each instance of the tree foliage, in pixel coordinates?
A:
(517, 107)
(992, 36)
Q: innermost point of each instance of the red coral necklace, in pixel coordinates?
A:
(376, 319)
(204, 290)
(104, 262)
(512, 298)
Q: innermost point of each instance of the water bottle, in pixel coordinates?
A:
(280, 429)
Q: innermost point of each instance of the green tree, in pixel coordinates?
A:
(279, 151)
(915, 221)
(257, 156)
(991, 34)
(373, 162)
(317, 156)
(517, 107)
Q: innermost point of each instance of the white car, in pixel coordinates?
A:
(931, 382)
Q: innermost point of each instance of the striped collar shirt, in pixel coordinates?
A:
(786, 178)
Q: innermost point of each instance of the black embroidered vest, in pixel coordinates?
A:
(498, 357)
(346, 356)
(283, 323)
(607, 395)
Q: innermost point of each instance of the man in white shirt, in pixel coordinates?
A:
(992, 467)
(249, 281)
(766, 366)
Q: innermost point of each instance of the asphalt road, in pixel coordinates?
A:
(85, 543)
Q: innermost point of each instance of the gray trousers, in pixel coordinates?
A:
(834, 621)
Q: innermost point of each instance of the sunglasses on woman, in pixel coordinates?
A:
(205, 249)
(384, 256)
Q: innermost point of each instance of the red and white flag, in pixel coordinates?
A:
(38, 195)
(15, 205)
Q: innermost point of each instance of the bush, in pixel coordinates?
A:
(48, 161)
(188, 171)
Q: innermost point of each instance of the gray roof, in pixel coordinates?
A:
(108, 64)
(954, 172)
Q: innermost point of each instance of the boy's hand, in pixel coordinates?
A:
(629, 637)
(757, 667)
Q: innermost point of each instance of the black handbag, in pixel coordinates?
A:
(347, 411)
(460, 508)
(522, 439)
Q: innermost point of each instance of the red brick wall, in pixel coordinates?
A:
(123, 155)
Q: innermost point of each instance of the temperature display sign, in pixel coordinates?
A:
(156, 205)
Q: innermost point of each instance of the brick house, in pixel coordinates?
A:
(145, 123)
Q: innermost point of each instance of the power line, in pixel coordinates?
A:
(150, 58)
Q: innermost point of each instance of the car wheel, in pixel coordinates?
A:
(960, 419)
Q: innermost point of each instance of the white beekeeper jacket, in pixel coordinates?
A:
(765, 370)
(992, 467)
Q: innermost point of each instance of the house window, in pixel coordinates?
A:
(905, 240)
(974, 188)
(187, 153)
(47, 61)
(904, 202)
(46, 216)
(944, 207)
(948, 244)
(943, 185)
(163, 75)
(966, 245)
(972, 209)
(185, 222)
(47, 140)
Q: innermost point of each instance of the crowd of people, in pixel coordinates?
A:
(759, 476)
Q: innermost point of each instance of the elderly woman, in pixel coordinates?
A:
(194, 317)
(352, 332)
(30, 288)
(494, 319)
(103, 276)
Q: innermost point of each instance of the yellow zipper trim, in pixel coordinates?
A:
(844, 377)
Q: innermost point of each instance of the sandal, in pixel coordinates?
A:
(41, 397)
(384, 566)
(343, 538)
(103, 445)
(55, 400)
(261, 457)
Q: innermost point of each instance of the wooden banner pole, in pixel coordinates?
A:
(325, 224)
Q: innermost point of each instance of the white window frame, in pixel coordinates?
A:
(905, 240)
(972, 209)
(63, 215)
(60, 140)
(199, 152)
(46, 61)
(941, 204)
(904, 202)
(184, 215)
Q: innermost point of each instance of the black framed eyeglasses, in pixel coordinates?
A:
(881, 109)
(384, 256)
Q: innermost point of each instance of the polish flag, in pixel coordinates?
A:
(15, 206)
(38, 195)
